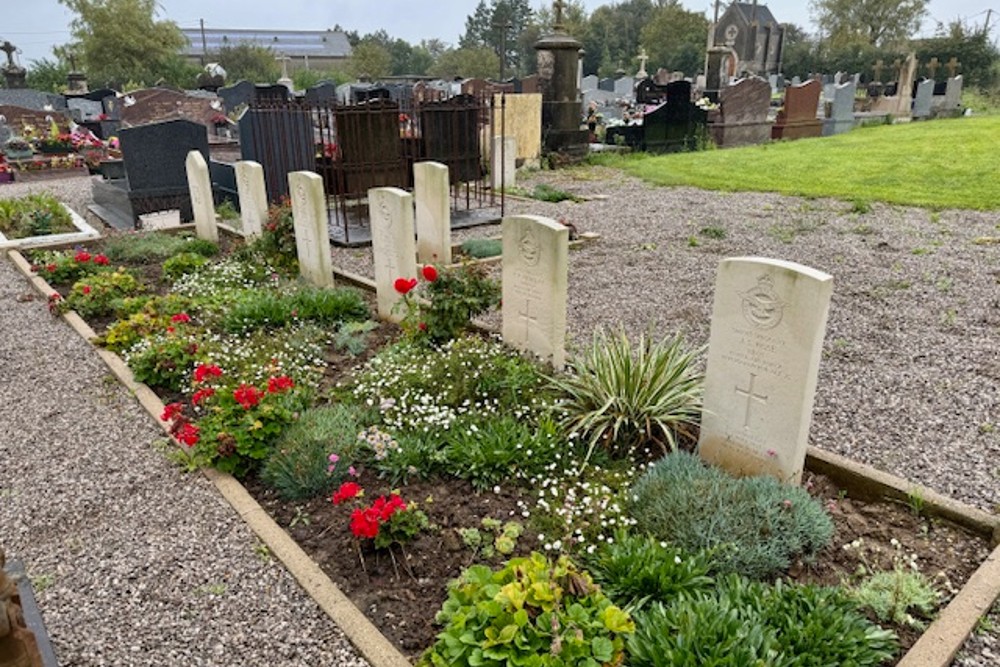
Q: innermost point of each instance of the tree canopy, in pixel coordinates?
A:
(878, 23)
(250, 62)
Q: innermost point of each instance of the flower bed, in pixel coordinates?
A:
(40, 220)
(437, 424)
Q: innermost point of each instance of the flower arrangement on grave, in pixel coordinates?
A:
(706, 104)
(17, 148)
(55, 141)
(447, 302)
(220, 120)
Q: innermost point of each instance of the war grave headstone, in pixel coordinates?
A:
(841, 117)
(393, 248)
(742, 116)
(768, 323)
(312, 235)
(432, 204)
(534, 284)
(922, 100)
(202, 200)
(253, 197)
(154, 157)
(797, 118)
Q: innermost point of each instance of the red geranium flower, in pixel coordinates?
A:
(85, 289)
(171, 330)
(364, 523)
(279, 384)
(404, 285)
(51, 268)
(430, 273)
(202, 394)
(189, 435)
(346, 491)
(247, 395)
(422, 326)
(203, 371)
(171, 410)
(82, 256)
(386, 507)
(100, 260)
(182, 318)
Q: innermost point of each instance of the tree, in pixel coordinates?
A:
(612, 37)
(674, 38)
(878, 23)
(370, 59)
(48, 75)
(970, 45)
(247, 61)
(121, 40)
(471, 62)
(502, 22)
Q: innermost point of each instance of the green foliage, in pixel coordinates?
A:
(448, 303)
(254, 309)
(544, 192)
(276, 245)
(674, 38)
(121, 40)
(141, 317)
(33, 215)
(748, 623)
(716, 233)
(896, 595)
(248, 62)
(760, 523)
(623, 396)
(48, 75)
(227, 212)
(871, 22)
(531, 612)
(969, 45)
(500, 21)
(369, 58)
(471, 62)
(162, 359)
(635, 569)
(501, 537)
(300, 466)
(95, 295)
(861, 207)
(150, 247)
(182, 264)
(480, 248)
(62, 267)
(352, 336)
(402, 527)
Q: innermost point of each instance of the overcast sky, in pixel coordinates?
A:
(36, 25)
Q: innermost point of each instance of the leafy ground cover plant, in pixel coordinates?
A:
(761, 523)
(165, 357)
(902, 594)
(443, 306)
(33, 215)
(182, 264)
(67, 266)
(481, 248)
(623, 396)
(254, 309)
(150, 247)
(276, 244)
(143, 316)
(96, 295)
(533, 611)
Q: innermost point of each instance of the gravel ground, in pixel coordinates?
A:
(134, 562)
(910, 379)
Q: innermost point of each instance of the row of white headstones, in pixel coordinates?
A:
(768, 318)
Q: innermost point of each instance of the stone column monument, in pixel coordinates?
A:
(558, 55)
(12, 72)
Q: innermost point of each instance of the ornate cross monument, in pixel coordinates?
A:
(14, 73)
(558, 66)
(643, 59)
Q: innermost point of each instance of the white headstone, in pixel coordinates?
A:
(253, 197)
(393, 248)
(953, 93)
(312, 234)
(432, 201)
(503, 163)
(768, 323)
(202, 203)
(535, 275)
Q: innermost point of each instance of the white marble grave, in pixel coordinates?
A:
(312, 234)
(253, 197)
(393, 247)
(768, 324)
(503, 163)
(202, 203)
(535, 275)
(432, 201)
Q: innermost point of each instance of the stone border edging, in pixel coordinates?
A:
(84, 232)
(360, 631)
(936, 647)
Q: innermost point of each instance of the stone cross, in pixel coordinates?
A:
(750, 397)
(878, 69)
(932, 67)
(10, 49)
(284, 60)
(897, 66)
(558, 7)
(952, 66)
(643, 59)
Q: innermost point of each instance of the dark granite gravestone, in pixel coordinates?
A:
(923, 98)
(272, 93)
(323, 93)
(156, 179)
(233, 96)
(797, 118)
(607, 84)
(676, 125)
(741, 119)
(32, 99)
(281, 139)
(85, 110)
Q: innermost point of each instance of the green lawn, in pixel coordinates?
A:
(939, 164)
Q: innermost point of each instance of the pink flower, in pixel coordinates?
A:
(85, 289)
(333, 462)
(352, 471)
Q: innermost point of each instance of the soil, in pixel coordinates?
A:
(402, 589)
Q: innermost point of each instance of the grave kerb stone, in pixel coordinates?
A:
(768, 323)
(393, 247)
(312, 232)
(202, 202)
(432, 201)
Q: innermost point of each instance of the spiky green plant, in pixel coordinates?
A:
(621, 395)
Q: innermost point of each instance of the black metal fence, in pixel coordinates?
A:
(375, 143)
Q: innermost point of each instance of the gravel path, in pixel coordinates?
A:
(909, 383)
(134, 562)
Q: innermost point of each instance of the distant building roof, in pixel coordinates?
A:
(293, 43)
(754, 11)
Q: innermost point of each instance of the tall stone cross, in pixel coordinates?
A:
(878, 69)
(558, 7)
(932, 66)
(10, 49)
(643, 59)
(952, 66)
(284, 60)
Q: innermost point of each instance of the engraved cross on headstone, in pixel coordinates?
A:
(750, 396)
(528, 318)
(878, 69)
(952, 66)
(932, 67)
